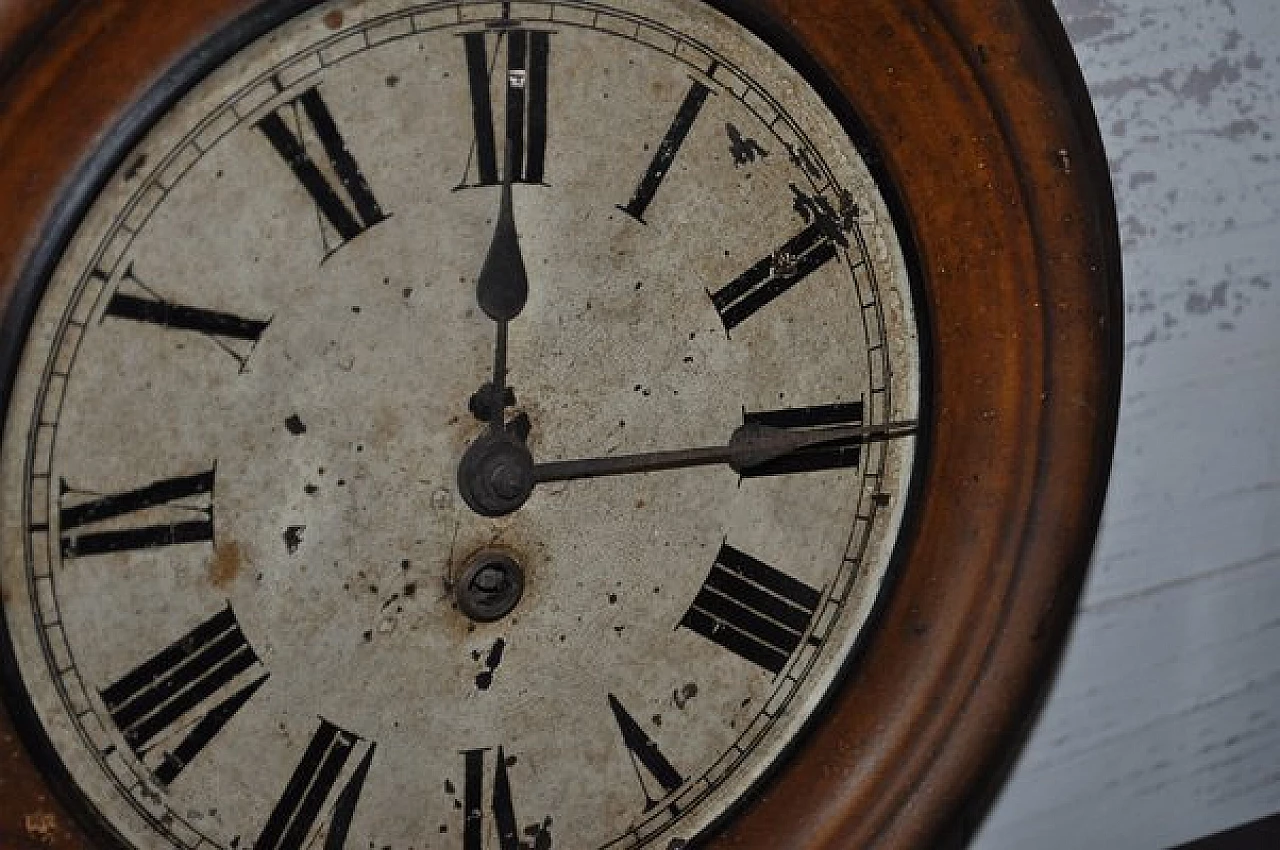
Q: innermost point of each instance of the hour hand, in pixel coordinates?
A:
(503, 288)
(750, 447)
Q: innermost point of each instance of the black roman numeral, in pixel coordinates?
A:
(524, 139)
(667, 151)
(752, 610)
(349, 218)
(772, 277)
(102, 509)
(200, 675)
(502, 804)
(815, 458)
(295, 821)
(645, 753)
(775, 275)
(224, 329)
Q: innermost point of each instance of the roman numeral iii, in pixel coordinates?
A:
(345, 199)
(752, 610)
(296, 821)
(523, 136)
(816, 458)
(195, 685)
(113, 511)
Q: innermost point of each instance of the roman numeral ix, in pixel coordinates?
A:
(752, 610)
(197, 684)
(348, 218)
(101, 510)
(296, 821)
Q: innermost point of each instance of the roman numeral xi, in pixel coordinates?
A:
(195, 685)
(343, 197)
(752, 610)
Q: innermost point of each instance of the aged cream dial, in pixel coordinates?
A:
(251, 599)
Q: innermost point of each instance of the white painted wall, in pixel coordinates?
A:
(1164, 724)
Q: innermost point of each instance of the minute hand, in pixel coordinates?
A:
(750, 446)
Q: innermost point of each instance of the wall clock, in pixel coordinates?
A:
(547, 424)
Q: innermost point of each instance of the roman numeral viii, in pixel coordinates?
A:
(752, 610)
(815, 458)
(196, 685)
(360, 210)
(295, 822)
(524, 134)
(502, 805)
(116, 509)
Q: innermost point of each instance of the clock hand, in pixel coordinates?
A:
(503, 288)
(751, 446)
(502, 292)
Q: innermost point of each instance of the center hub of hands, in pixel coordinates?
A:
(495, 476)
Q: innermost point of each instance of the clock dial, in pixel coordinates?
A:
(460, 425)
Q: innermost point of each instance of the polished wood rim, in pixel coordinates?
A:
(979, 117)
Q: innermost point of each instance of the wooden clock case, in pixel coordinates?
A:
(980, 120)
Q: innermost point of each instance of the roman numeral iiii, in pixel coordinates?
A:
(753, 610)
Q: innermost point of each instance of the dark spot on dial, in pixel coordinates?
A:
(293, 537)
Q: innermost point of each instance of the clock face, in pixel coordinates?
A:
(252, 594)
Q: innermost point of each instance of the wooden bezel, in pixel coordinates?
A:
(981, 121)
